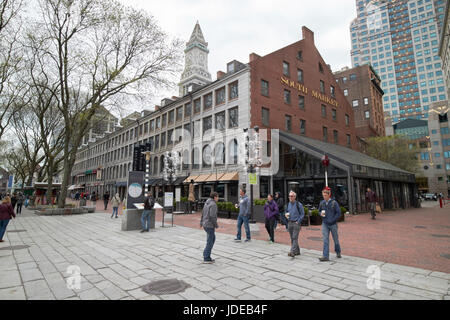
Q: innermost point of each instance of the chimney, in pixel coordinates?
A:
(253, 56)
(220, 74)
(307, 34)
(157, 108)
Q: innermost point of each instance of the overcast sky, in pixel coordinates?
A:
(236, 28)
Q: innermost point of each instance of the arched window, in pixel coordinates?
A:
(219, 154)
(196, 158)
(155, 165)
(161, 164)
(233, 152)
(207, 156)
(185, 160)
(120, 171)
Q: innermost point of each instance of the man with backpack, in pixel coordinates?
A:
(294, 215)
(330, 212)
(146, 214)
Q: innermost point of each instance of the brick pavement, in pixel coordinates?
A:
(115, 265)
(417, 237)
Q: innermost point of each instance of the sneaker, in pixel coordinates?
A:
(2, 240)
(291, 255)
(209, 261)
(270, 242)
(116, 217)
(237, 240)
(338, 255)
(324, 259)
(248, 240)
(142, 231)
(297, 254)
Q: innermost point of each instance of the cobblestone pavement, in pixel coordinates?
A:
(414, 237)
(115, 265)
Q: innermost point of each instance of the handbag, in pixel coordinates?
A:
(377, 208)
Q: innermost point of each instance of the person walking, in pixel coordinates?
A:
(106, 199)
(6, 213)
(19, 203)
(271, 214)
(371, 199)
(191, 197)
(209, 224)
(14, 200)
(146, 214)
(280, 202)
(294, 214)
(243, 217)
(330, 211)
(115, 201)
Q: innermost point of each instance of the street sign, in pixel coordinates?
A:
(253, 178)
(178, 194)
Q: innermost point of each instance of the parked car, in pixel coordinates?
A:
(430, 196)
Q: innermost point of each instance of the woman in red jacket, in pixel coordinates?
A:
(6, 213)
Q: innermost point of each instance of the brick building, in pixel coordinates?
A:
(361, 87)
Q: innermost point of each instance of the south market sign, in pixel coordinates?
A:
(304, 90)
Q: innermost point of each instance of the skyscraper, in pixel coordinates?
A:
(400, 39)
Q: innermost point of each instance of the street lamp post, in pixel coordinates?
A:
(253, 160)
(326, 163)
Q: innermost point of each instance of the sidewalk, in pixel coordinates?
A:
(414, 237)
(115, 265)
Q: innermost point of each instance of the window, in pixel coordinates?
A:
(233, 117)
(197, 106)
(207, 101)
(334, 114)
(207, 156)
(233, 90)
(163, 140)
(287, 96)
(146, 127)
(286, 68)
(220, 96)
(164, 120)
(265, 116)
(322, 86)
(300, 75)
(366, 101)
(301, 102)
(152, 127)
(288, 123)
(220, 121)
(355, 103)
(171, 116)
(325, 134)
(207, 124)
(347, 120)
(332, 91)
(302, 126)
(264, 88)
(320, 67)
(349, 140)
(324, 111)
(158, 123)
(346, 92)
(187, 110)
(179, 113)
(335, 136)
(300, 55)
(170, 137)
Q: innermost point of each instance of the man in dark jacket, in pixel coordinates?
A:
(106, 199)
(330, 211)
(209, 223)
(146, 214)
(371, 199)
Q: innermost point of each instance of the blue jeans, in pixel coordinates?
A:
(243, 219)
(145, 219)
(3, 225)
(210, 239)
(115, 211)
(326, 229)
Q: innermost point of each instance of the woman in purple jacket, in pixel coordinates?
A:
(271, 213)
(6, 213)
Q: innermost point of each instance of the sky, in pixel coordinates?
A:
(236, 28)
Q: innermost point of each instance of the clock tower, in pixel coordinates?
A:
(196, 62)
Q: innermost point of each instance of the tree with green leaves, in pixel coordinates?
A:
(396, 150)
